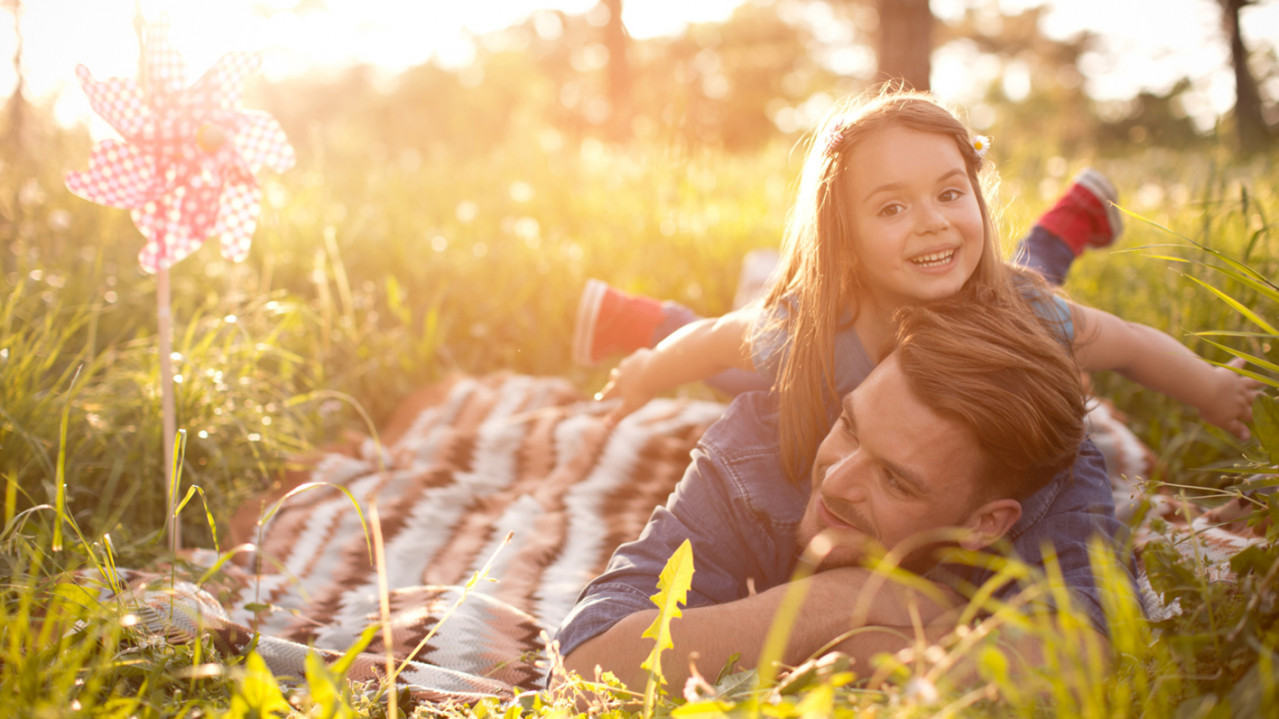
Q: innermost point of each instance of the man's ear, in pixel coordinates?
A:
(989, 522)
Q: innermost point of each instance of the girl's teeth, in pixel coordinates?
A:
(937, 258)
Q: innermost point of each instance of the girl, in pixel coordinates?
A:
(890, 212)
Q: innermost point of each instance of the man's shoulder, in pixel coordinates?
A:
(1078, 502)
(748, 428)
(741, 464)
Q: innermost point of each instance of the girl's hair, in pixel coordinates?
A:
(819, 276)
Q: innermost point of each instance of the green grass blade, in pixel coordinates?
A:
(1261, 362)
(1236, 305)
(60, 481)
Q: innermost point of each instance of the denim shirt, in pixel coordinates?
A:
(740, 513)
(770, 349)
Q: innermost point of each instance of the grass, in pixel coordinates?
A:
(375, 271)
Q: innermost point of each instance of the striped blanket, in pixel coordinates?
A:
(506, 477)
(513, 477)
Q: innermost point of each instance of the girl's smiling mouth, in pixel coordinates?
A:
(933, 259)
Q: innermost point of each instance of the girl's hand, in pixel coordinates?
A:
(628, 381)
(1231, 405)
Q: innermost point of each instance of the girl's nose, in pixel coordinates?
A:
(931, 220)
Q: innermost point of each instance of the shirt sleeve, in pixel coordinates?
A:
(1068, 515)
(736, 508)
(768, 342)
(770, 350)
(1050, 306)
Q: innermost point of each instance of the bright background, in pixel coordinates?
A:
(1146, 44)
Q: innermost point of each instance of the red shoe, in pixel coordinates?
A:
(1086, 216)
(610, 321)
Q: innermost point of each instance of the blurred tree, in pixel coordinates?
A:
(1038, 80)
(271, 8)
(723, 83)
(1152, 119)
(1250, 123)
(616, 42)
(904, 44)
(16, 109)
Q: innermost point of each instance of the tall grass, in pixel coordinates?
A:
(375, 271)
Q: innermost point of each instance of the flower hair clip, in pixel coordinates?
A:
(981, 144)
(835, 138)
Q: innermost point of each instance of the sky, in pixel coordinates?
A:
(396, 34)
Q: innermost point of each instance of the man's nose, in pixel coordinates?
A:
(846, 478)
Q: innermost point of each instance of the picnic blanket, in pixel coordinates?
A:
(460, 468)
(504, 477)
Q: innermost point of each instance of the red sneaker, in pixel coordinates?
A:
(610, 321)
(1086, 216)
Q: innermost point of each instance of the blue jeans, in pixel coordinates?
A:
(1040, 250)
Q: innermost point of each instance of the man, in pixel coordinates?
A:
(963, 435)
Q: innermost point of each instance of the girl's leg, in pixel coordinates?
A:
(611, 322)
(1045, 253)
(1085, 216)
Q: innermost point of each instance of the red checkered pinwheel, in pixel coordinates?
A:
(186, 164)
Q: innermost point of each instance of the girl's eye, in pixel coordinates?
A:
(949, 195)
(890, 210)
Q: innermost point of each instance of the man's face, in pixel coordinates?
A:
(888, 470)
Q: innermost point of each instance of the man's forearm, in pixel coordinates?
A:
(715, 633)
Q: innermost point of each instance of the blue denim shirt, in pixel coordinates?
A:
(769, 340)
(740, 514)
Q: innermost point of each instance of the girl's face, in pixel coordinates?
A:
(914, 216)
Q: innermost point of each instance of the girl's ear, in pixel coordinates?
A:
(989, 522)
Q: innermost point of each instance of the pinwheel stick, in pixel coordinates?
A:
(164, 325)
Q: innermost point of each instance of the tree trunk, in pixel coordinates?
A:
(905, 43)
(616, 40)
(17, 105)
(1250, 123)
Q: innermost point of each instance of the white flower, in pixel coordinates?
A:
(981, 144)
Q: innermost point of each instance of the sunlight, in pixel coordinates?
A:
(392, 35)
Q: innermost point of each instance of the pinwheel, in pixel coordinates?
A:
(185, 167)
(186, 161)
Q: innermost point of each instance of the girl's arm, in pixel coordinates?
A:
(1152, 358)
(695, 351)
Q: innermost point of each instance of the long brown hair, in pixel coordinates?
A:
(819, 275)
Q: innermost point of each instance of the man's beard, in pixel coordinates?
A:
(822, 547)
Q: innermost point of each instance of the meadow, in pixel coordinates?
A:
(377, 270)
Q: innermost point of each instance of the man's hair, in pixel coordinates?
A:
(992, 364)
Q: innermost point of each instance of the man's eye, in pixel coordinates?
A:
(847, 428)
(893, 483)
